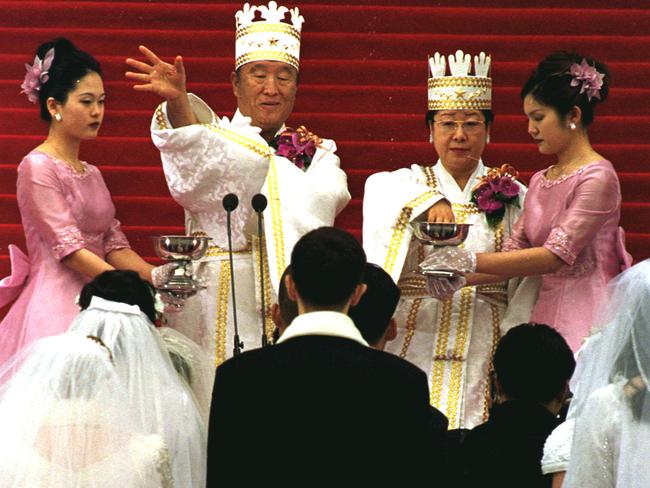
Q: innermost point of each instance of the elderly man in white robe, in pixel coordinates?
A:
(205, 158)
(450, 335)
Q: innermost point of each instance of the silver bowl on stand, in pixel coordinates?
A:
(439, 235)
(183, 250)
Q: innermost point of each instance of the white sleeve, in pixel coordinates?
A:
(391, 201)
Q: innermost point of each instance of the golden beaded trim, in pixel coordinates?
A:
(276, 217)
(222, 312)
(460, 105)
(262, 27)
(456, 381)
(400, 228)
(267, 55)
(411, 320)
(244, 141)
(161, 120)
(454, 81)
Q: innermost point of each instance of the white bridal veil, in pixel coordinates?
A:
(612, 406)
(162, 403)
(65, 422)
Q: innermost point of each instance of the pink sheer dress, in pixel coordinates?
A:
(576, 218)
(62, 211)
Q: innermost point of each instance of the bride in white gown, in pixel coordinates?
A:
(612, 398)
(65, 422)
(118, 307)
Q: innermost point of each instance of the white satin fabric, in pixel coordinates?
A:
(206, 161)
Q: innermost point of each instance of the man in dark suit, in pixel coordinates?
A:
(533, 365)
(320, 407)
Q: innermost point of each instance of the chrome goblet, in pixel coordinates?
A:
(182, 250)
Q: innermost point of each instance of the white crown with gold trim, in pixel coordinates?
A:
(267, 36)
(460, 90)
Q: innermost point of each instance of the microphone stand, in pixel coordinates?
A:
(230, 203)
(259, 203)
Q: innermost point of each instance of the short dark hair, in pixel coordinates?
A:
(68, 67)
(533, 362)
(550, 84)
(288, 307)
(326, 266)
(488, 114)
(120, 286)
(377, 305)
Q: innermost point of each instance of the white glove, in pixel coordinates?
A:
(444, 288)
(450, 258)
(170, 302)
(160, 274)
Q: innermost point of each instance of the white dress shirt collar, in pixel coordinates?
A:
(323, 323)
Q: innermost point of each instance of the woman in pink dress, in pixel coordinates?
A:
(66, 210)
(568, 231)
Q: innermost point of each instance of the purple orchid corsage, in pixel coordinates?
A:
(495, 191)
(591, 79)
(298, 146)
(37, 74)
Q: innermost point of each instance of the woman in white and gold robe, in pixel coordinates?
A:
(453, 339)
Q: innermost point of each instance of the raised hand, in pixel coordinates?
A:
(157, 76)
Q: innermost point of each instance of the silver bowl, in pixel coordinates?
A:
(181, 248)
(439, 234)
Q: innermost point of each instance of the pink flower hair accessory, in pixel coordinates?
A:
(591, 79)
(37, 74)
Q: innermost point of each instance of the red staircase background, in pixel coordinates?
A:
(363, 83)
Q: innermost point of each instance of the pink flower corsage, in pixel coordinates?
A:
(591, 79)
(496, 190)
(36, 75)
(298, 146)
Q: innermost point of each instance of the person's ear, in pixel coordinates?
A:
(358, 293)
(234, 80)
(575, 116)
(275, 315)
(53, 107)
(291, 287)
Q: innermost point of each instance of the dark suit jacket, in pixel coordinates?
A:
(508, 448)
(315, 410)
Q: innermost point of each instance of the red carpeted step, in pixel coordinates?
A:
(323, 18)
(335, 45)
(392, 73)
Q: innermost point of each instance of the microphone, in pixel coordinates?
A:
(259, 203)
(230, 202)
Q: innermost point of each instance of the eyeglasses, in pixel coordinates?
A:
(468, 126)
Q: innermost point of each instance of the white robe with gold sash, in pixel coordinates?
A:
(206, 161)
(453, 340)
